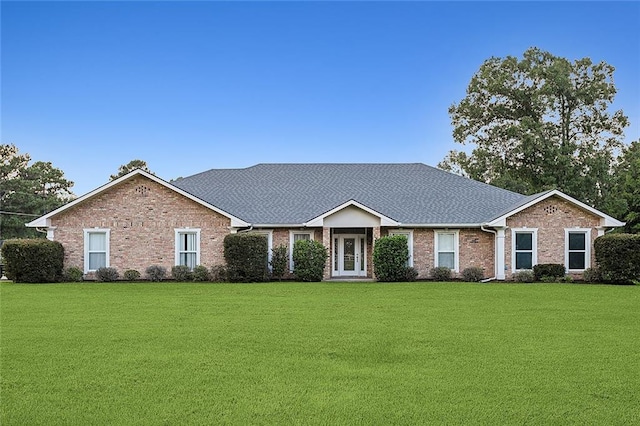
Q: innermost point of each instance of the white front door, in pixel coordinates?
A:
(350, 257)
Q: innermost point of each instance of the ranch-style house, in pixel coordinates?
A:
(139, 220)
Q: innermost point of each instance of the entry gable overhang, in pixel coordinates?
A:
(44, 221)
(319, 220)
(605, 220)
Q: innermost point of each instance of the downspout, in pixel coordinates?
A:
(495, 252)
(249, 229)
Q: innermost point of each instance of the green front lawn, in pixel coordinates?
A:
(330, 353)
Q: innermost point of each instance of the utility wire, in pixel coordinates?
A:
(20, 214)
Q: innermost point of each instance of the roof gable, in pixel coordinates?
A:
(606, 220)
(43, 221)
(344, 209)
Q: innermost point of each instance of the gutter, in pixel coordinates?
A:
(495, 236)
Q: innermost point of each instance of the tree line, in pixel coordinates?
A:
(533, 123)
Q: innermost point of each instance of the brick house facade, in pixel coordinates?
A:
(140, 220)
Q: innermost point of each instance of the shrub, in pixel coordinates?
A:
(390, 256)
(247, 257)
(107, 274)
(181, 273)
(618, 257)
(72, 274)
(156, 273)
(410, 274)
(33, 260)
(526, 276)
(591, 275)
(279, 257)
(473, 274)
(218, 273)
(566, 279)
(131, 275)
(553, 271)
(309, 259)
(200, 273)
(441, 273)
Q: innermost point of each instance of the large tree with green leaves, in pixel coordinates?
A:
(131, 166)
(537, 123)
(625, 200)
(27, 190)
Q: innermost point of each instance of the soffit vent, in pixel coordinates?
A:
(142, 190)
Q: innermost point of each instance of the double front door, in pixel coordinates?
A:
(349, 255)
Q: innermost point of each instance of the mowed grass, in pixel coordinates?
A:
(328, 353)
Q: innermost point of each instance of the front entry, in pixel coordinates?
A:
(349, 257)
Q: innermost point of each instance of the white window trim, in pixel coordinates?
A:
(88, 231)
(179, 231)
(409, 234)
(534, 246)
(456, 254)
(587, 248)
(269, 234)
(291, 242)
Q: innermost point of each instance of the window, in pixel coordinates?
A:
(188, 247)
(409, 234)
(446, 249)
(524, 248)
(96, 249)
(577, 249)
(297, 236)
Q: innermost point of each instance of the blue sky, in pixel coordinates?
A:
(190, 86)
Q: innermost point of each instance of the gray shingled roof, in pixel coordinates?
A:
(296, 193)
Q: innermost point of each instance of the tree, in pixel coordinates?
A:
(28, 191)
(625, 200)
(539, 123)
(131, 166)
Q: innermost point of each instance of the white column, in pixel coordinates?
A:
(50, 232)
(326, 241)
(500, 254)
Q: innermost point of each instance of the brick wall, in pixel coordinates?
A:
(477, 248)
(551, 217)
(142, 216)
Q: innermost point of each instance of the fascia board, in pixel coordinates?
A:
(440, 225)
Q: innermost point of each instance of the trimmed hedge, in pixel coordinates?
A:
(552, 271)
(73, 274)
(107, 274)
(131, 275)
(181, 273)
(524, 276)
(33, 260)
(156, 273)
(246, 256)
(441, 273)
(279, 257)
(309, 259)
(473, 274)
(390, 256)
(618, 257)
